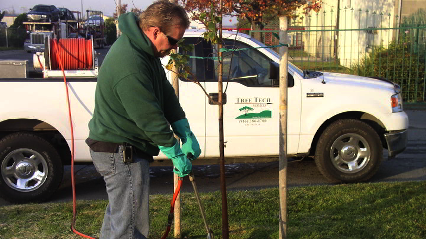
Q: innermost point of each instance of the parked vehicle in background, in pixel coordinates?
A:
(95, 20)
(66, 14)
(94, 27)
(38, 32)
(65, 23)
(43, 13)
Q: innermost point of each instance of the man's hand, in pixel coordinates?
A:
(190, 144)
(181, 164)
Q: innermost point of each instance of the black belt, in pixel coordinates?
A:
(108, 147)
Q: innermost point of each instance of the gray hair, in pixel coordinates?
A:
(163, 14)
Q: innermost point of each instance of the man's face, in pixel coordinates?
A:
(165, 42)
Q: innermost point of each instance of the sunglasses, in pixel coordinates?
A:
(172, 41)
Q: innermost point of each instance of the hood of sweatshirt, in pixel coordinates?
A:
(128, 24)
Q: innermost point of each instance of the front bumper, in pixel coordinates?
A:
(33, 48)
(396, 142)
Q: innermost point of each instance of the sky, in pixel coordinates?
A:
(106, 6)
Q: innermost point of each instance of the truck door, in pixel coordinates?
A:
(251, 111)
(191, 96)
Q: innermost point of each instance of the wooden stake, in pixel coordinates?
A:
(283, 128)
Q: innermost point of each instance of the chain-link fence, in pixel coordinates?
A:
(361, 42)
(11, 37)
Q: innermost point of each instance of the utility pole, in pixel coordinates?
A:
(81, 10)
(7, 41)
(118, 15)
(283, 128)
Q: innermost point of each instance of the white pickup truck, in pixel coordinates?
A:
(343, 121)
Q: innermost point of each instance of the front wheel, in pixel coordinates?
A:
(349, 151)
(31, 169)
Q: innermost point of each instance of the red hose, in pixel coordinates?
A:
(72, 54)
(172, 208)
(41, 65)
(74, 204)
(70, 61)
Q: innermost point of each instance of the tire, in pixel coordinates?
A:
(348, 151)
(30, 167)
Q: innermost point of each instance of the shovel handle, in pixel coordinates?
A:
(203, 215)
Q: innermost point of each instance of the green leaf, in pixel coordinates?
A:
(211, 26)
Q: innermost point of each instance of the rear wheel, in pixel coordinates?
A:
(31, 169)
(349, 151)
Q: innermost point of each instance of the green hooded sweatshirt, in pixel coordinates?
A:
(134, 101)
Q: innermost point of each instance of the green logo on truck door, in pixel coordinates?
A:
(254, 111)
(249, 115)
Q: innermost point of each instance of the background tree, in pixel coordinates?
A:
(17, 32)
(19, 21)
(123, 9)
(2, 15)
(110, 31)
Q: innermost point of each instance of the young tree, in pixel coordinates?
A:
(210, 12)
(255, 11)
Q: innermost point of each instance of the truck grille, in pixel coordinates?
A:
(37, 38)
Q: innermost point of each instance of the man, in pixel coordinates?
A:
(134, 106)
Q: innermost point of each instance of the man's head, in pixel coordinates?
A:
(164, 23)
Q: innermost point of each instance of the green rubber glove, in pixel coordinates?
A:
(190, 146)
(181, 164)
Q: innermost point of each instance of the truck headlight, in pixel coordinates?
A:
(396, 103)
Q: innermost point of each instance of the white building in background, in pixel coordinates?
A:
(9, 19)
(353, 31)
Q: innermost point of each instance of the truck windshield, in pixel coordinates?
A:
(291, 66)
(41, 9)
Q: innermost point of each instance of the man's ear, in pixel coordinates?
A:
(155, 32)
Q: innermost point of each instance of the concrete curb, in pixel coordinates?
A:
(414, 106)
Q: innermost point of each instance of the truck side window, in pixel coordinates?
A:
(198, 65)
(247, 66)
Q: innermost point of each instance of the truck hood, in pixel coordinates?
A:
(39, 13)
(361, 81)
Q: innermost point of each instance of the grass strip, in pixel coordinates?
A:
(368, 210)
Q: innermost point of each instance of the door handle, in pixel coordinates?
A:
(214, 98)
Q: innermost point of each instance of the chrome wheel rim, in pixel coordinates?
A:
(350, 153)
(24, 170)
